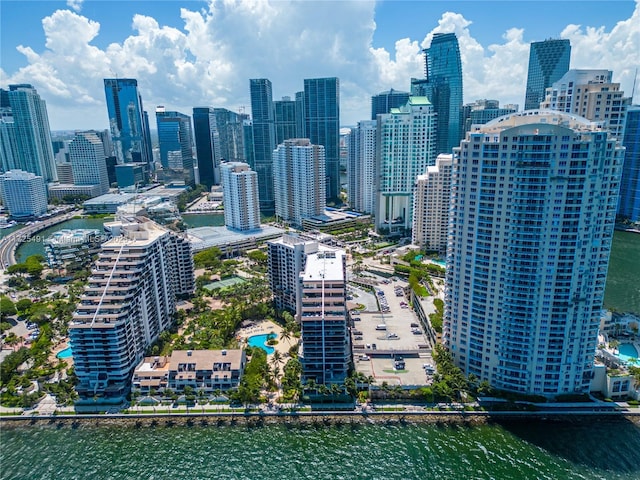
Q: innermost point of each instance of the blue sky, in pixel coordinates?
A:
(191, 53)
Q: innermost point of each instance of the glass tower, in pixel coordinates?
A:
(264, 140)
(322, 126)
(176, 144)
(207, 145)
(443, 88)
(548, 62)
(127, 121)
(385, 101)
(31, 131)
(286, 128)
(629, 206)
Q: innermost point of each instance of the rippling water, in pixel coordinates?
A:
(522, 451)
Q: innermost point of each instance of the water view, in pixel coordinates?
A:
(602, 450)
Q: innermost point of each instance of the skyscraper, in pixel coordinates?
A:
(361, 166)
(23, 193)
(298, 168)
(87, 158)
(326, 352)
(129, 300)
(548, 62)
(533, 209)
(230, 134)
(431, 205)
(482, 111)
(406, 147)
(127, 121)
(285, 120)
(240, 190)
(443, 88)
(629, 205)
(322, 126)
(207, 140)
(176, 144)
(264, 140)
(385, 101)
(34, 152)
(592, 95)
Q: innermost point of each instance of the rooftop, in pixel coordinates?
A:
(326, 265)
(206, 237)
(204, 359)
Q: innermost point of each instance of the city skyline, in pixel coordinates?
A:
(188, 57)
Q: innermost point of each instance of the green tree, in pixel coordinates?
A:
(7, 308)
(23, 305)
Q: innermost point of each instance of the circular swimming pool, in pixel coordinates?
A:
(261, 341)
(628, 353)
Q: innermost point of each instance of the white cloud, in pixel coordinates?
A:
(210, 58)
(75, 4)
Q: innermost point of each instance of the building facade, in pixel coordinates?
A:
(548, 62)
(72, 247)
(432, 204)
(88, 164)
(128, 121)
(325, 348)
(287, 259)
(230, 134)
(533, 209)
(285, 120)
(385, 101)
(264, 140)
(241, 202)
(30, 133)
(23, 194)
(592, 95)
(406, 140)
(176, 145)
(207, 140)
(322, 126)
(129, 300)
(299, 175)
(361, 166)
(483, 111)
(629, 205)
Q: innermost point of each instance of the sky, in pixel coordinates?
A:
(203, 53)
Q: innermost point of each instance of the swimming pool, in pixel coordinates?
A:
(627, 352)
(261, 341)
(66, 353)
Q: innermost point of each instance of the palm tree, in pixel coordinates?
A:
(285, 335)
(335, 391)
(276, 358)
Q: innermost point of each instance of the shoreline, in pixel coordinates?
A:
(319, 418)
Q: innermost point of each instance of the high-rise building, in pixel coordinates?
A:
(176, 144)
(592, 95)
(230, 134)
(483, 111)
(300, 125)
(443, 88)
(207, 139)
(548, 62)
(240, 190)
(23, 194)
(87, 158)
(129, 300)
(361, 166)
(285, 120)
(32, 135)
(385, 101)
(8, 139)
(325, 354)
(287, 259)
(128, 122)
(406, 147)
(629, 205)
(264, 140)
(432, 204)
(298, 168)
(322, 126)
(534, 198)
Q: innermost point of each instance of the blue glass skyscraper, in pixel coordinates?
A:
(129, 129)
(322, 126)
(385, 101)
(548, 62)
(629, 204)
(176, 144)
(264, 140)
(443, 88)
(206, 137)
(285, 120)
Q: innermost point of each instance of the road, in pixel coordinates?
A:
(9, 243)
